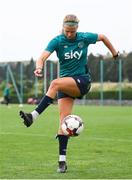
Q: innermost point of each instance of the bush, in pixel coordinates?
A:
(126, 95)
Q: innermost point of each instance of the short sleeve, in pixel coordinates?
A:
(91, 38)
(52, 45)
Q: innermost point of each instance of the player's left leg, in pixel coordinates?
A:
(65, 108)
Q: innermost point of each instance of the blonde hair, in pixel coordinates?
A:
(70, 20)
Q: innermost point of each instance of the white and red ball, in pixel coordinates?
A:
(72, 125)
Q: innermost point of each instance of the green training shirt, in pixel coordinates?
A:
(72, 54)
(6, 91)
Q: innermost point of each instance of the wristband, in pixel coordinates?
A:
(116, 56)
(39, 68)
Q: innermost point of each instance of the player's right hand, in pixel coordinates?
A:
(38, 72)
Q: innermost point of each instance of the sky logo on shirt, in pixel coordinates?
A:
(73, 54)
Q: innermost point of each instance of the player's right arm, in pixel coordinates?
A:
(52, 45)
(40, 63)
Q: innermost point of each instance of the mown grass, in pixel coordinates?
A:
(103, 150)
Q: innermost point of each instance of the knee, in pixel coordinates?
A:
(54, 85)
(63, 115)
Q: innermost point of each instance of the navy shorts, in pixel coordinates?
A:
(83, 84)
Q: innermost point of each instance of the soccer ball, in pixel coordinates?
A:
(72, 125)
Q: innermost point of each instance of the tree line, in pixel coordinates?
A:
(110, 68)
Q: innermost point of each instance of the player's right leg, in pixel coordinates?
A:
(66, 84)
(28, 118)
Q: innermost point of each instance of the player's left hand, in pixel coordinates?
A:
(116, 56)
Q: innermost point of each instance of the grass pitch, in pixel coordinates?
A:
(103, 150)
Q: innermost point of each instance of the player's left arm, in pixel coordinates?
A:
(108, 44)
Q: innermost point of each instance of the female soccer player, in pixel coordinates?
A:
(74, 82)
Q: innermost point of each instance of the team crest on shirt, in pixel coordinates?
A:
(65, 46)
(81, 44)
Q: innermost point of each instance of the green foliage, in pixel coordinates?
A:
(111, 67)
(111, 71)
(126, 95)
